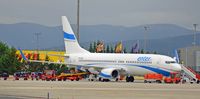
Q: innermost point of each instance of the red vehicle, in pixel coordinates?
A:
(18, 75)
(174, 78)
(49, 75)
(195, 73)
(36, 75)
(153, 77)
(198, 77)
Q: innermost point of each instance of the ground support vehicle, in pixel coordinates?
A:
(92, 77)
(153, 77)
(173, 78)
(49, 75)
(18, 75)
(36, 75)
(70, 76)
(4, 75)
(198, 78)
(190, 75)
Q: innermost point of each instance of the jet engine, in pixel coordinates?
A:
(109, 73)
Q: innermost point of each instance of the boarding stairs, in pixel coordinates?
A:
(190, 73)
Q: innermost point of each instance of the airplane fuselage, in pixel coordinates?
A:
(135, 64)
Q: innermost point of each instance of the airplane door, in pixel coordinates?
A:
(158, 61)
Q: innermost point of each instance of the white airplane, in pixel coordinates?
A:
(113, 64)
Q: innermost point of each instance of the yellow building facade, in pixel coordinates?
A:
(52, 55)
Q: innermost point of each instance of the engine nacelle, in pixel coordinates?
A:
(109, 73)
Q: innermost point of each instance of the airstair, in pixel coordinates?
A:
(191, 74)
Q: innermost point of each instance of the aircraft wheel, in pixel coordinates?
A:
(77, 79)
(130, 79)
(64, 79)
(100, 79)
(158, 81)
(116, 79)
(145, 81)
(198, 81)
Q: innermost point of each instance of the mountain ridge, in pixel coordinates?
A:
(23, 35)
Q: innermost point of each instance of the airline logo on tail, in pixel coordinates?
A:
(69, 36)
(68, 32)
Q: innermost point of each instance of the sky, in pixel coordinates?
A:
(92, 12)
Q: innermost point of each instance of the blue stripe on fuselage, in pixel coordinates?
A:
(157, 70)
(69, 36)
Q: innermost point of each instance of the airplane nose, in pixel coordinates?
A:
(177, 68)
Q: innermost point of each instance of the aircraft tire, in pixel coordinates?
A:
(130, 79)
(198, 81)
(100, 79)
(145, 81)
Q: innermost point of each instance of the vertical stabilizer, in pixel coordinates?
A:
(71, 43)
(176, 56)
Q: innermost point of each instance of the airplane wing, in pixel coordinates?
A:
(94, 68)
(57, 55)
(38, 61)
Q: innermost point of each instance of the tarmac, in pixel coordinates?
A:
(96, 90)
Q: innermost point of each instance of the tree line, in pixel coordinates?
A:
(11, 62)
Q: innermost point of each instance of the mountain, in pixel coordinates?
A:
(110, 33)
(23, 35)
(160, 37)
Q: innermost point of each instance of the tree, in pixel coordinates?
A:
(111, 50)
(107, 49)
(63, 69)
(154, 52)
(124, 50)
(94, 47)
(91, 49)
(8, 59)
(142, 51)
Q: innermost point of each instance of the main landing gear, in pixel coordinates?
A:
(130, 79)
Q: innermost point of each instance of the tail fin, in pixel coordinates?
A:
(71, 43)
(176, 56)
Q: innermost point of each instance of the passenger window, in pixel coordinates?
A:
(169, 62)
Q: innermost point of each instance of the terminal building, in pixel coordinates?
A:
(190, 56)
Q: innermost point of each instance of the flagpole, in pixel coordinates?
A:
(138, 42)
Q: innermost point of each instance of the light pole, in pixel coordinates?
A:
(145, 37)
(78, 10)
(37, 40)
(194, 38)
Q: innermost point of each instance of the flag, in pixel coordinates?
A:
(119, 48)
(135, 48)
(100, 47)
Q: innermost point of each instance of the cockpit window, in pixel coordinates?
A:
(169, 62)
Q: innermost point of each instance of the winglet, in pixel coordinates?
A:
(23, 56)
